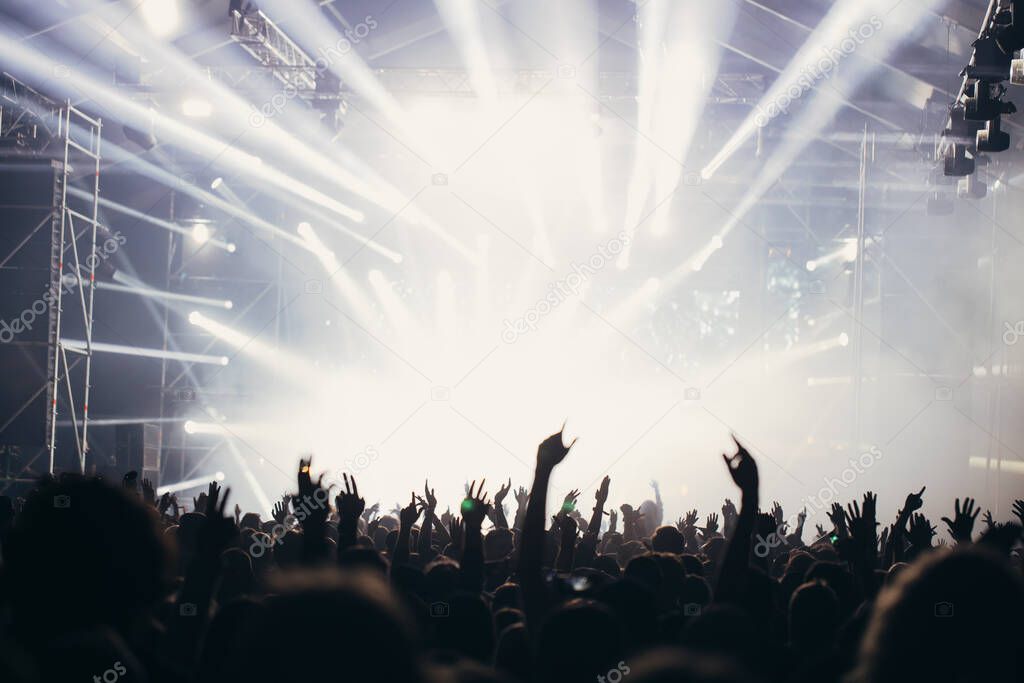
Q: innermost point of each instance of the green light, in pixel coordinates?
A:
(467, 505)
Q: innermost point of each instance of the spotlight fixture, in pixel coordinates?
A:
(971, 188)
(992, 138)
(982, 104)
(201, 233)
(991, 63)
(956, 162)
(1009, 28)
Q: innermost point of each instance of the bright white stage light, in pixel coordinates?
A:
(200, 233)
(229, 304)
(231, 247)
(140, 289)
(812, 265)
(844, 339)
(189, 483)
(196, 108)
(850, 251)
(217, 182)
(161, 16)
(102, 347)
(276, 359)
(196, 427)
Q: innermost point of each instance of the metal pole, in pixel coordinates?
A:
(65, 122)
(96, 131)
(163, 361)
(858, 306)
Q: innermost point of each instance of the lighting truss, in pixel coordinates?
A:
(273, 50)
(29, 121)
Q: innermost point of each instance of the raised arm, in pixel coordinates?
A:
(500, 521)
(474, 512)
(531, 556)
(311, 511)
(349, 506)
(406, 519)
(732, 575)
(424, 545)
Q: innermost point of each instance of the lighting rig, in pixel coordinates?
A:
(974, 126)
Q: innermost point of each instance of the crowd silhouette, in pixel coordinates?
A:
(105, 582)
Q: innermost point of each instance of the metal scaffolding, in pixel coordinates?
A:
(80, 135)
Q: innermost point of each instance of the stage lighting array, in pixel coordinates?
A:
(975, 117)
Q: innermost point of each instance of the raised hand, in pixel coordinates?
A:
(921, 532)
(502, 492)
(348, 502)
(1018, 509)
(777, 514)
(613, 520)
(691, 518)
(429, 500)
(217, 529)
(861, 523)
(475, 506)
(569, 502)
(410, 513)
(838, 518)
(522, 496)
(962, 524)
(148, 492)
(601, 494)
(552, 451)
(238, 513)
(710, 526)
(455, 532)
(742, 469)
(913, 503)
(729, 514)
(820, 529)
(165, 502)
(989, 522)
(280, 510)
